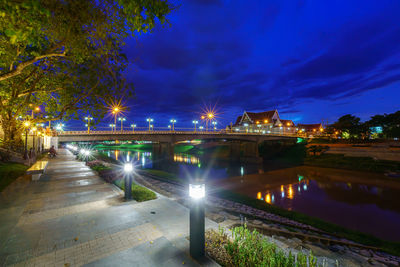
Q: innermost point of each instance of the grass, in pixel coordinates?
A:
(9, 172)
(163, 175)
(250, 248)
(139, 193)
(388, 246)
(352, 163)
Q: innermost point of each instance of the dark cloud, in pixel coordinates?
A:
(259, 55)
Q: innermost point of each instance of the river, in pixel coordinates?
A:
(361, 201)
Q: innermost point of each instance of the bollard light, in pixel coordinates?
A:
(128, 169)
(197, 192)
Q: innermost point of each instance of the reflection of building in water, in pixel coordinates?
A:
(286, 191)
(189, 159)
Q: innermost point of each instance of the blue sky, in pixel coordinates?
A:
(312, 60)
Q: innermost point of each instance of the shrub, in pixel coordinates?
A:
(250, 248)
(5, 156)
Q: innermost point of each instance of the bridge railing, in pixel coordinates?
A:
(125, 132)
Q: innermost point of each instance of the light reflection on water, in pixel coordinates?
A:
(361, 201)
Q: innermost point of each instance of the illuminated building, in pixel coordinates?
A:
(267, 122)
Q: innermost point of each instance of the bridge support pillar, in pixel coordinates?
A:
(163, 150)
(234, 150)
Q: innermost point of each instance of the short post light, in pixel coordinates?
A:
(149, 120)
(121, 119)
(88, 123)
(173, 121)
(195, 123)
(128, 169)
(112, 127)
(197, 192)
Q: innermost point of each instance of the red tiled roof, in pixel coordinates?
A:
(266, 115)
(285, 122)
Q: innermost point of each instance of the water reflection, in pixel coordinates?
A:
(361, 201)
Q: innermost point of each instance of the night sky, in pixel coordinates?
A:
(312, 60)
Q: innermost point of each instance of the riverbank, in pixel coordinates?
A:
(333, 229)
(287, 233)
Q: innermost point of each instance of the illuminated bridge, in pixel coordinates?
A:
(241, 144)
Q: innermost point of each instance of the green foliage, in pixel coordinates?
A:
(139, 193)
(9, 172)
(250, 248)
(66, 55)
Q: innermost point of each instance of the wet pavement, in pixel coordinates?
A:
(71, 217)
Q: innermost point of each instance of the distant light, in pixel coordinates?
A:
(128, 167)
(197, 191)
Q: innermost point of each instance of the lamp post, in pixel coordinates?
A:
(121, 120)
(88, 123)
(33, 138)
(173, 124)
(115, 111)
(37, 109)
(214, 123)
(195, 123)
(133, 127)
(197, 225)
(150, 120)
(169, 127)
(128, 169)
(59, 127)
(26, 125)
(112, 127)
(201, 128)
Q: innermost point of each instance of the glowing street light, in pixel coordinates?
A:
(173, 121)
(59, 127)
(88, 118)
(128, 170)
(169, 127)
(195, 123)
(215, 125)
(197, 193)
(121, 120)
(115, 111)
(150, 120)
(133, 127)
(201, 128)
(112, 127)
(36, 109)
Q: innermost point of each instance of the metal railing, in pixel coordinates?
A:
(221, 132)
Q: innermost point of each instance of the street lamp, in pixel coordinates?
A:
(36, 109)
(112, 126)
(173, 124)
(59, 127)
(115, 111)
(195, 122)
(128, 169)
(201, 128)
(26, 125)
(197, 226)
(121, 120)
(150, 120)
(133, 127)
(169, 127)
(88, 123)
(214, 123)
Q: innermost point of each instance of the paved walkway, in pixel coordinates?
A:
(71, 217)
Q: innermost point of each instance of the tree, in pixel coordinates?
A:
(390, 124)
(65, 55)
(350, 125)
